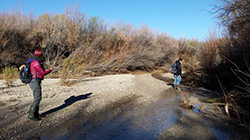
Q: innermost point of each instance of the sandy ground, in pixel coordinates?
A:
(89, 94)
(85, 102)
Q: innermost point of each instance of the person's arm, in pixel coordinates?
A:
(39, 69)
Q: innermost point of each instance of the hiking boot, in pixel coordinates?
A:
(37, 113)
(177, 87)
(32, 115)
(174, 87)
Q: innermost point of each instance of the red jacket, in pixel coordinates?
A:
(35, 67)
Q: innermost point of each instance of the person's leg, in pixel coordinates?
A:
(35, 86)
(178, 81)
(175, 81)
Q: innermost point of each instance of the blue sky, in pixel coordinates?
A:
(179, 18)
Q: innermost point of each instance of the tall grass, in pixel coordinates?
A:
(72, 67)
(10, 74)
(188, 51)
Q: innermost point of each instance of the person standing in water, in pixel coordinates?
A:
(177, 74)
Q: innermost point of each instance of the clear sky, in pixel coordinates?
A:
(179, 18)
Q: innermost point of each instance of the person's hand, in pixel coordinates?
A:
(50, 70)
(21, 67)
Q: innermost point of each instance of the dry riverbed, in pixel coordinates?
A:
(108, 107)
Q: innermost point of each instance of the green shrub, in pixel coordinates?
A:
(9, 75)
(72, 67)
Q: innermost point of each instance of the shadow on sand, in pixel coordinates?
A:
(168, 80)
(67, 102)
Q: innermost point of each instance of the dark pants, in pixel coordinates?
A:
(35, 86)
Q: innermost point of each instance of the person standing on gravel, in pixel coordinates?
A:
(38, 71)
(178, 73)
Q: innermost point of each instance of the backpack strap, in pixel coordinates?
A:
(36, 74)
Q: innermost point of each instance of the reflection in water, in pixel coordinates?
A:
(196, 107)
